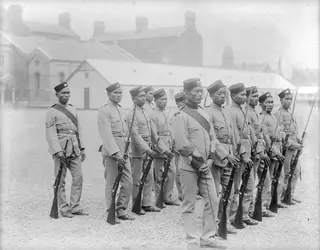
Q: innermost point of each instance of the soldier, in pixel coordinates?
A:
(270, 122)
(160, 118)
(113, 130)
(290, 127)
(195, 141)
(149, 104)
(258, 149)
(180, 101)
(225, 159)
(62, 126)
(143, 132)
(239, 97)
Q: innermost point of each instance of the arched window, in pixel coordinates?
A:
(37, 80)
(62, 76)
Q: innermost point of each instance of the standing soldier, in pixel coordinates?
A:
(113, 130)
(180, 101)
(160, 118)
(239, 121)
(62, 126)
(270, 122)
(143, 132)
(258, 149)
(290, 127)
(225, 159)
(195, 141)
(149, 104)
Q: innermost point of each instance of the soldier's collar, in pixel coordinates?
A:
(192, 105)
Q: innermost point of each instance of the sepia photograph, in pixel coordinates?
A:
(157, 124)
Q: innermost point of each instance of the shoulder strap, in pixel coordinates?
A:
(67, 113)
(198, 117)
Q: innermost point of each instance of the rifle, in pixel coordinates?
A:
(136, 208)
(287, 194)
(273, 207)
(54, 213)
(166, 165)
(245, 177)
(111, 219)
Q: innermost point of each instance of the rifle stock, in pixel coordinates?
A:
(166, 165)
(136, 208)
(54, 213)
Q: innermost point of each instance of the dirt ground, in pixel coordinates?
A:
(26, 185)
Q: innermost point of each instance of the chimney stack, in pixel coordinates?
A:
(190, 19)
(98, 28)
(141, 23)
(65, 20)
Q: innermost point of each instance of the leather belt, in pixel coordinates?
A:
(147, 138)
(164, 133)
(245, 136)
(226, 139)
(118, 134)
(67, 131)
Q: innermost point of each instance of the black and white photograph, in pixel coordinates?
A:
(157, 124)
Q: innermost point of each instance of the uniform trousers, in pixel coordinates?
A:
(110, 174)
(75, 169)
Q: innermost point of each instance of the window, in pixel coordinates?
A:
(1, 60)
(37, 80)
(62, 76)
(37, 62)
(86, 75)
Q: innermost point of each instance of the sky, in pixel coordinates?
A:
(299, 21)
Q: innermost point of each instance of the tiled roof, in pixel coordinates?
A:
(50, 29)
(148, 33)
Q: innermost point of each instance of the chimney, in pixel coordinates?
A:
(190, 19)
(98, 28)
(65, 20)
(141, 23)
(14, 15)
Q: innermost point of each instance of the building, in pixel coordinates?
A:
(89, 80)
(17, 26)
(168, 45)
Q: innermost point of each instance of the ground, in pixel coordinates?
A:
(27, 178)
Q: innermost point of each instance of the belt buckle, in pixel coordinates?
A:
(70, 131)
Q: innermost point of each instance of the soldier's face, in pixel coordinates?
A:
(162, 102)
(268, 104)
(149, 96)
(195, 95)
(140, 99)
(286, 101)
(180, 104)
(253, 99)
(115, 96)
(219, 97)
(240, 97)
(63, 95)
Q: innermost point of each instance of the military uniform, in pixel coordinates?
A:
(290, 127)
(192, 139)
(143, 135)
(247, 140)
(59, 130)
(113, 130)
(160, 118)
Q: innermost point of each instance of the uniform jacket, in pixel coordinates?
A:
(191, 138)
(221, 122)
(143, 133)
(113, 128)
(59, 129)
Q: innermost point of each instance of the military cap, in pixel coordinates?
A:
(253, 90)
(191, 83)
(264, 96)
(236, 88)
(214, 87)
(147, 89)
(112, 87)
(180, 97)
(136, 90)
(60, 86)
(159, 93)
(283, 93)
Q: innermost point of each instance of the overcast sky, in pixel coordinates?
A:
(298, 21)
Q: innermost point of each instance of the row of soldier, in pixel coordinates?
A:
(203, 142)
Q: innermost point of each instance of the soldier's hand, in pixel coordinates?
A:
(265, 158)
(206, 167)
(61, 156)
(232, 160)
(280, 157)
(119, 158)
(151, 153)
(299, 146)
(248, 161)
(168, 154)
(82, 155)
